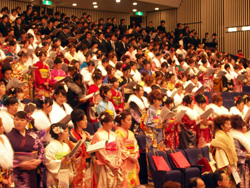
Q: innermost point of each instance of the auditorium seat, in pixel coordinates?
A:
(246, 88)
(205, 152)
(193, 156)
(160, 177)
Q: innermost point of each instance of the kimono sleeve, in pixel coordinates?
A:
(52, 164)
(150, 120)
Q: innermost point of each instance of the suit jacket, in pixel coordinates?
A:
(102, 45)
(120, 50)
(63, 37)
(17, 31)
(88, 44)
(47, 31)
(4, 28)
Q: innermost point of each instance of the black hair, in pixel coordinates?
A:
(246, 98)
(237, 122)
(121, 116)
(10, 101)
(167, 100)
(104, 90)
(5, 68)
(132, 63)
(77, 116)
(227, 66)
(12, 43)
(97, 75)
(92, 63)
(14, 91)
(60, 89)
(77, 76)
(193, 182)
(200, 99)
(164, 64)
(217, 176)
(41, 102)
(153, 87)
(238, 100)
(112, 79)
(187, 100)
(105, 117)
(137, 87)
(125, 67)
(57, 60)
(21, 115)
(60, 126)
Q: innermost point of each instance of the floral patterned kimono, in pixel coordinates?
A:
(172, 134)
(27, 88)
(131, 147)
(117, 99)
(111, 154)
(80, 163)
(57, 175)
(30, 143)
(42, 75)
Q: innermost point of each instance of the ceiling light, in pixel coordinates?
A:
(134, 3)
(246, 28)
(232, 29)
(134, 10)
(94, 3)
(118, 1)
(74, 4)
(95, 6)
(156, 8)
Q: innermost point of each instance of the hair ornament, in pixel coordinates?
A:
(134, 87)
(185, 103)
(236, 99)
(164, 98)
(124, 65)
(102, 117)
(43, 99)
(57, 130)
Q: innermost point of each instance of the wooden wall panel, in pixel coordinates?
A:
(95, 14)
(13, 4)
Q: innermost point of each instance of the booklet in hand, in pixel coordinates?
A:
(14, 83)
(241, 77)
(131, 85)
(186, 71)
(210, 71)
(91, 95)
(166, 114)
(189, 87)
(207, 113)
(28, 70)
(65, 120)
(74, 150)
(174, 92)
(180, 115)
(98, 146)
(221, 73)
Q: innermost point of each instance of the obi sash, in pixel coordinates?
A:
(44, 73)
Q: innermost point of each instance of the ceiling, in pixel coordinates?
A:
(111, 5)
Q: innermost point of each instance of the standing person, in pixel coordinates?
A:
(42, 76)
(131, 149)
(57, 72)
(223, 147)
(6, 158)
(25, 142)
(79, 120)
(124, 80)
(109, 160)
(58, 164)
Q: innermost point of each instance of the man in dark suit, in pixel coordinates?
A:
(64, 35)
(150, 27)
(48, 29)
(17, 27)
(122, 46)
(122, 26)
(5, 25)
(102, 44)
(112, 42)
(88, 40)
(162, 26)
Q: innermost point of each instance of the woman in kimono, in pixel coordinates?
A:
(171, 127)
(117, 98)
(125, 80)
(41, 116)
(57, 72)
(79, 120)
(25, 143)
(138, 105)
(7, 114)
(105, 104)
(60, 108)
(109, 160)
(242, 147)
(204, 128)
(58, 164)
(18, 93)
(42, 76)
(223, 147)
(246, 99)
(131, 150)
(17, 73)
(2, 93)
(217, 105)
(6, 159)
(188, 123)
(239, 107)
(227, 80)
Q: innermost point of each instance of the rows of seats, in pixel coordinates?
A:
(181, 175)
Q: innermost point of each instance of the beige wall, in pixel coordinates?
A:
(13, 4)
(213, 16)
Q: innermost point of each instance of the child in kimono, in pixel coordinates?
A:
(6, 158)
(109, 159)
(130, 149)
(58, 164)
(105, 104)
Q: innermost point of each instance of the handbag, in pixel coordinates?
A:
(160, 163)
(207, 168)
(179, 160)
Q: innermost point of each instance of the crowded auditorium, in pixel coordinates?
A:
(124, 94)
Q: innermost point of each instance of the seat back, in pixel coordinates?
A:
(193, 155)
(205, 152)
(151, 161)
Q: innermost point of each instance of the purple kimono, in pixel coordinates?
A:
(29, 143)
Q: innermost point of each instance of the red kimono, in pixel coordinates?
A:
(117, 99)
(172, 135)
(42, 75)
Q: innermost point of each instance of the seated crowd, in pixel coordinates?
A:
(67, 81)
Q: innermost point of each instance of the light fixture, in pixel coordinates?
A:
(245, 28)
(134, 10)
(232, 29)
(134, 3)
(94, 3)
(118, 1)
(156, 8)
(95, 6)
(74, 4)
